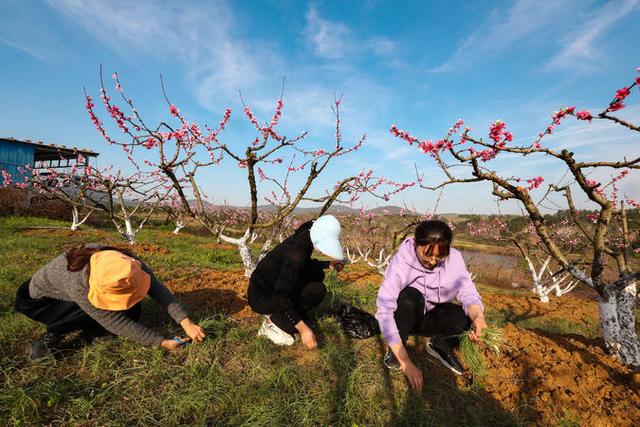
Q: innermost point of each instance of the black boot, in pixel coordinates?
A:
(444, 353)
(43, 346)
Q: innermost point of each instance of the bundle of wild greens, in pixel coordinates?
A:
(470, 351)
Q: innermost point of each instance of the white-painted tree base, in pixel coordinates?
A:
(76, 221)
(245, 251)
(617, 323)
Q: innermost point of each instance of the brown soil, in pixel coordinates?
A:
(62, 232)
(576, 308)
(213, 290)
(556, 373)
(146, 249)
(360, 276)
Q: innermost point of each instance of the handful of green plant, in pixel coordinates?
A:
(470, 351)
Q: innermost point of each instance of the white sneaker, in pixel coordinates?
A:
(275, 334)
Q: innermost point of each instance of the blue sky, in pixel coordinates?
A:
(420, 65)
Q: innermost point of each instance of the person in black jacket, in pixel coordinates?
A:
(287, 284)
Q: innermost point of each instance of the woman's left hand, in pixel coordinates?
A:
(478, 325)
(336, 265)
(193, 330)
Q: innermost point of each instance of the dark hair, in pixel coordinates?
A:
(436, 233)
(78, 256)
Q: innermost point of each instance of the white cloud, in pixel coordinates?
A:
(200, 38)
(579, 49)
(503, 30)
(330, 40)
(382, 45)
(336, 40)
(28, 49)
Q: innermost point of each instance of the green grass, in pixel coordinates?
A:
(471, 353)
(26, 221)
(233, 378)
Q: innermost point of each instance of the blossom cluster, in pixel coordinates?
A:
(494, 228)
(499, 133)
(534, 183)
(621, 95)
(96, 122)
(6, 178)
(584, 115)
(427, 146)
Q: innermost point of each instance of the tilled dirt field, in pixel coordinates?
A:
(548, 372)
(537, 371)
(213, 290)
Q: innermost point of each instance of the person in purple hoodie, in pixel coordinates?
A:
(423, 279)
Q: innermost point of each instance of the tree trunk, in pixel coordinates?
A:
(76, 221)
(129, 235)
(617, 322)
(247, 259)
(544, 298)
(243, 249)
(75, 224)
(179, 226)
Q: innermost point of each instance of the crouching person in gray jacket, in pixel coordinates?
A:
(97, 289)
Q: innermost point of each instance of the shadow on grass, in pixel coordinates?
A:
(386, 374)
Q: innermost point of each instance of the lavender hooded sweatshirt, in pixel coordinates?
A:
(449, 280)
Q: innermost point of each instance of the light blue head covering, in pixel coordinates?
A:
(325, 236)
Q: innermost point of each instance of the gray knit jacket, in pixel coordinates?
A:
(55, 281)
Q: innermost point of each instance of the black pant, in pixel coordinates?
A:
(306, 296)
(62, 317)
(444, 321)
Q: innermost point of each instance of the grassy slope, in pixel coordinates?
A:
(231, 379)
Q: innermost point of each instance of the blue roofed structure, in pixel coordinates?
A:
(15, 153)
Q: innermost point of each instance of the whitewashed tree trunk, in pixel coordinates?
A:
(351, 256)
(557, 287)
(245, 251)
(617, 322)
(179, 226)
(380, 263)
(129, 234)
(543, 285)
(76, 222)
(264, 250)
(538, 287)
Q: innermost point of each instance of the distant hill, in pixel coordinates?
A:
(335, 209)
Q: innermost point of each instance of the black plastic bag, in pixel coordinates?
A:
(357, 323)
